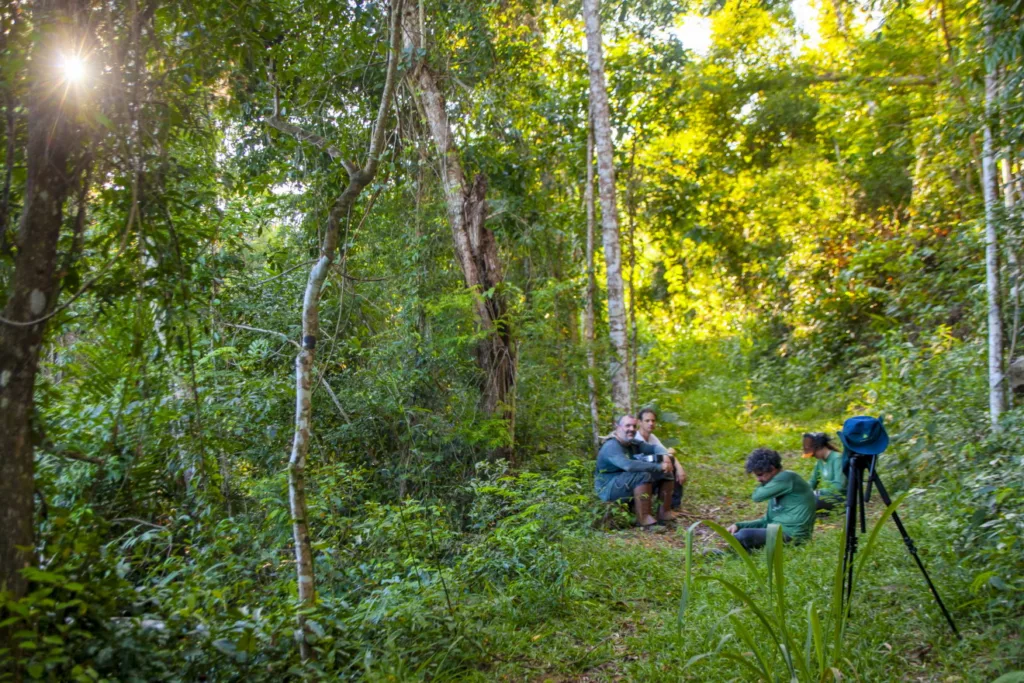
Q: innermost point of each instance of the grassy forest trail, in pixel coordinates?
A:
(619, 617)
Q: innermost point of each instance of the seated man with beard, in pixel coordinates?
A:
(622, 472)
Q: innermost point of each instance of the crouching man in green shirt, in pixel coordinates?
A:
(790, 502)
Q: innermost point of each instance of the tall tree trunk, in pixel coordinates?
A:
(11, 131)
(475, 246)
(53, 145)
(359, 178)
(1010, 243)
(588, 314)
(996, 393)
(601, 115)
(7, 35)
(631, 210)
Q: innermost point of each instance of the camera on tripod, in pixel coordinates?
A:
(864, 440)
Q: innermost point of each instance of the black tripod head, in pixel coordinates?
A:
(858, 464)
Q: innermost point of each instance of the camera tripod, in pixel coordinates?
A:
(856, 502)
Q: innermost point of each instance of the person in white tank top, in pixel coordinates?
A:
(647, 421)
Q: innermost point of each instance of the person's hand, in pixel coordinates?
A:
(732, 528)
(672, 451)
(680, 472)
(666, 466)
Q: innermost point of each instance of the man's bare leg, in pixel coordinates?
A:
(665, 513)
(642, 505)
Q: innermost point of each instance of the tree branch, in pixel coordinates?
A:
(138, 522)
(337, 403)
(74, 455)
(353, 278)
(282, 335)
(284, 272)
(303, 135)
(913, 80)
(377, 140)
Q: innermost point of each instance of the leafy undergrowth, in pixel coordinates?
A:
(619, 620)
(528, 583)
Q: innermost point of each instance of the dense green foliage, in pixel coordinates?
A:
(803, 233)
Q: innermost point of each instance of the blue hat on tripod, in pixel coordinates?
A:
(864, 435)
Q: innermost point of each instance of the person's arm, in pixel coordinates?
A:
(650, 448)
(753, 523)
(838, 479)
(617, 457)
(657, 442)
(815, 475)
(772, 489)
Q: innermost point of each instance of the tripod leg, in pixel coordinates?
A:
(851, 532)
(863, 501)
(909, 542)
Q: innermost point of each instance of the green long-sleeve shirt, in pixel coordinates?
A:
(828, 476)
(790, 504)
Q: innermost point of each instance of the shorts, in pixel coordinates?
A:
(622, 484)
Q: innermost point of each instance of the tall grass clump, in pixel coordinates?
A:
(769, 630)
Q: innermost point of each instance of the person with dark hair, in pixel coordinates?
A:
(827, 479)
(790, 499)
(647, 420)
(619, 473)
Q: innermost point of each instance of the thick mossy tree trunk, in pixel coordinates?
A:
(54, 145)
(475, 246)
(996, 392)
(601, 114)
(359, 178)
(8, 35)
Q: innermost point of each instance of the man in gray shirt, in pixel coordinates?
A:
(620, 475)
(647, 419)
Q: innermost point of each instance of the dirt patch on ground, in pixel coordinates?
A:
(724, 512)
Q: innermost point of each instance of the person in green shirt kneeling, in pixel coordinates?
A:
(790, 499)
(827, 479)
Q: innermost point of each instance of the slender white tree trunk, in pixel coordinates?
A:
(996, 393)
(631, 231)
(359, 178)
(588, 314)
(1010, 243)
(601, 115)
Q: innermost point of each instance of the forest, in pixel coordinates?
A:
(314, 316)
